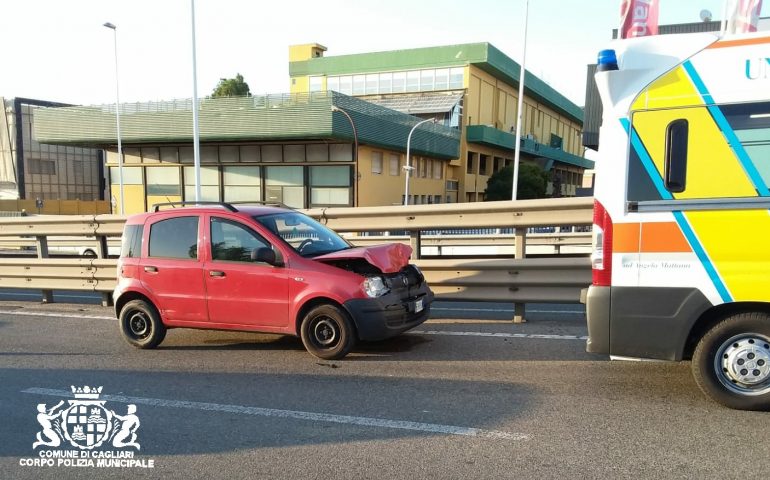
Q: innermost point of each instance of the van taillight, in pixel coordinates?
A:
(601, 258)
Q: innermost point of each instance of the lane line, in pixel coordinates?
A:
(299, 415)
(502, 335)
(55, 315)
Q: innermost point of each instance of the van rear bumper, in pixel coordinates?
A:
(642, 322)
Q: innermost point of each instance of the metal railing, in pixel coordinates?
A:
(518, 280)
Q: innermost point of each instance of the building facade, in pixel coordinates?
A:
(303, 150)
(472, 88)
(30, 169)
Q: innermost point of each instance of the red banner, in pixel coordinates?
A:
(743, 15)
(638, 18)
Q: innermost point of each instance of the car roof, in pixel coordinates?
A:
(246, 210)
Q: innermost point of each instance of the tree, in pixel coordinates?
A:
(532, 183)
(231, 87)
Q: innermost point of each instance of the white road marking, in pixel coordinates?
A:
(503, 335)
(55, 315)
(504, 310)
(299, 415)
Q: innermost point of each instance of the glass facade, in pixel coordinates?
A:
(425, 80)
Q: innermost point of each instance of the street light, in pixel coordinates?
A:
(408, 167)
(517, 153)
(196, 128)
(335, 108)
(117, 116)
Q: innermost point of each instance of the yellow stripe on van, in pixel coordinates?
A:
(713, 169)
(739, 255)
(673, 89)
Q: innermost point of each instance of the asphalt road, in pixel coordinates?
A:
(460, 398)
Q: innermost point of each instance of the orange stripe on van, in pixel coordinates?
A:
(625, 238)
(663, 237)
(648, 237)
(739, 43)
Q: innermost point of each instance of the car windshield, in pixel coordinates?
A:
(306, 236)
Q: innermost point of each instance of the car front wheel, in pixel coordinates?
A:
(141, 325)
(327, 332)
(731, 363)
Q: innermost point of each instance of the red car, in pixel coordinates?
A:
(262, 269)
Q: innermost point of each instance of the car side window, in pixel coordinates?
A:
(174, 238)
(234, 242)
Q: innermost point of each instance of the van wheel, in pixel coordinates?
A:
(140, 324)
(89, 254)
(327, 332)
(731, 363)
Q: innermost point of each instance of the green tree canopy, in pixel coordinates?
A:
(231, 87)
(533, 182)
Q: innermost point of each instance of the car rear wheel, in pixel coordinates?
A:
(731, 363)
(141, 325)
(327, 332)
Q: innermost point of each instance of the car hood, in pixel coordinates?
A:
(390, 258)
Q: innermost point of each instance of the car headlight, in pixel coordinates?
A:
(375, 287)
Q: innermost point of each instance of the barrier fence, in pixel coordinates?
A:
(518, 280)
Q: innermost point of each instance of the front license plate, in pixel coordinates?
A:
(418, 306)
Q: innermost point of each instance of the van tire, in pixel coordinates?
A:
(731, 363)
(327, 332)
(141, 325)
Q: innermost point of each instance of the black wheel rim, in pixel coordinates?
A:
(324, 332)
(138, 325)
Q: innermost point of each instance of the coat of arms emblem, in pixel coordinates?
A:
(86, 423)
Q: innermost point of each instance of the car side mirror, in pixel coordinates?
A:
(265, 255)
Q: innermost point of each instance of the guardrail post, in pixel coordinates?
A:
(415, 241)
(102, 251)
(42, 252)
(520, 235)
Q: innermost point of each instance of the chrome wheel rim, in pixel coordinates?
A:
(742, 364)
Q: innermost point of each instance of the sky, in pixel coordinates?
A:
(59, 50)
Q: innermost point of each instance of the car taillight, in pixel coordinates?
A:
(601, 258)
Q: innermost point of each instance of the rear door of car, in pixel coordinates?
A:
(171, 268)
(242, 291)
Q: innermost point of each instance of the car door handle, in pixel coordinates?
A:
(151, 269)
(216, 273)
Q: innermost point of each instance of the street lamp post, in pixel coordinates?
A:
(196, 128)
(335, 108)
(517, 153)
(117, 116)
(408, 167)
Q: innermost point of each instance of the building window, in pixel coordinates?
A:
(131, 175)
(456, 77)
(436, 198)
(285, 185)
(333, 83)
(385, 82)
(163, 181)
(359, 84)
(412, 81)
(209, 183)
(377, 163)
(470, 167)
(316, 84)
(438, 170)
(442, 79)
(372, 83)
(427, 80)
(395, 165)
(242, 184)
(43, 167)
(483, 161)
(399, 82)
(341, 152)
(330, 186)
(346, 84)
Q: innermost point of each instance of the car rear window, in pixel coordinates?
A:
(131, 244)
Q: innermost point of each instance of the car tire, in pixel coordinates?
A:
(731, 363)
(141, 325)
(327, 332)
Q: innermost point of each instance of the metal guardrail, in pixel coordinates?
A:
(520, 280)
